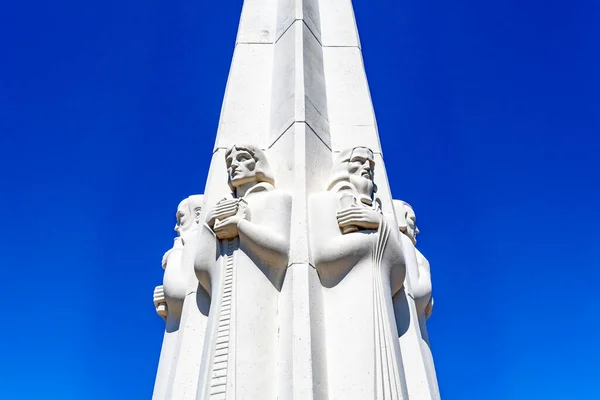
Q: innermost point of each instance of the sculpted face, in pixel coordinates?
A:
(241, 167)
(411, 223)
(362, 168)
(183, 217)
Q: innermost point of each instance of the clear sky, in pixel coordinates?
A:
(489, 115)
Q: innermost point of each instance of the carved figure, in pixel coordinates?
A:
(358, 256)
(241, 261)
(169, 297)
(177, 275)
(420, 277)
(419, 289)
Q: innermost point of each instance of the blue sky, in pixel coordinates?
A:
(489, 115)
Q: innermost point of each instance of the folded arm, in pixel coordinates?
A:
(333, 253)
(207, 253)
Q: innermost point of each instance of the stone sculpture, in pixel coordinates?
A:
(359, 259)
(241, 262)
(169, 297)
(421, 275)
(319, 298)
(417, 294)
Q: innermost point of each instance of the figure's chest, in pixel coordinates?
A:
(262, 208)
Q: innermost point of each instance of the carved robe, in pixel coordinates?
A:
(244, 276)
(360, 272)
(421, 376)
(175, 369)
(175, 284)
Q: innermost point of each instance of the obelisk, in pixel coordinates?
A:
(260, 293)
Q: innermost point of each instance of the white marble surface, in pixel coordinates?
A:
(338, 24)
(272, 312)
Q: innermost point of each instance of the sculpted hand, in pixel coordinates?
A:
(224, 209)
(228, 228)
(159, 295)
(160, 302)
(363, 217)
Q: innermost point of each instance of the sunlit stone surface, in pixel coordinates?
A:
(295, 275)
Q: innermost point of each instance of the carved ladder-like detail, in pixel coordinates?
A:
(218, 384)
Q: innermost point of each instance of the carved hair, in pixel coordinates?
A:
(195, 201)
(339, 172)
(262, 171)
(189, 206)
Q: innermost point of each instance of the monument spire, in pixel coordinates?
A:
(274, 301)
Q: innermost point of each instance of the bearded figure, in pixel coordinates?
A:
(418, 288)
(169, 298)
(358, 255)
(419, 272)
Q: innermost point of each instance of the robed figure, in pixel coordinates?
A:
(241, 262)
(358, 256)
(169, 297)
(420, 290)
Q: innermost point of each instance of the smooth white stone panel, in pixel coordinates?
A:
(311, 17)
(351, 116)
(287, 13)
(245, 111)
(303, 367)
(286, 80)
(298, 83)
(257, 22)
(338, 25)
(290, 11)
(302, 163)
(314, 87)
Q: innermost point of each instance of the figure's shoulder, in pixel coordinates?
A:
(279, 193)
(323, 203)
(320, 197)
(421, 259)
(276, 197)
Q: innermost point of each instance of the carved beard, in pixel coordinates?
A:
(411, 234)
(364, 187)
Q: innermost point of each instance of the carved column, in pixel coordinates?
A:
(297, 89)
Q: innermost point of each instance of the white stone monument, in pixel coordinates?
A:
(295, 275)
